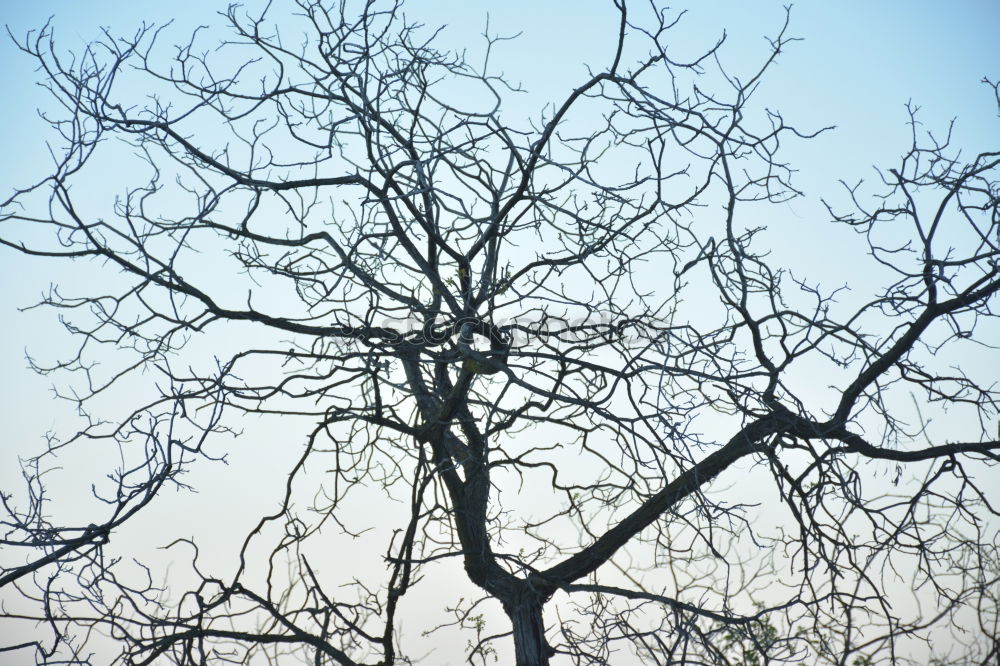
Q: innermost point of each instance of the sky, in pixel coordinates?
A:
(858, 64)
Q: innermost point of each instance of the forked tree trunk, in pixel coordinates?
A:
(530, 648)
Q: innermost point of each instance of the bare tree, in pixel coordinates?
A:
(543, 342)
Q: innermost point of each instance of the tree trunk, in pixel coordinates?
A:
(530, 648)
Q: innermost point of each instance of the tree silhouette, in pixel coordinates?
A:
(543, 343)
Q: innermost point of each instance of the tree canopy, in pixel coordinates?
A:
(552, 379)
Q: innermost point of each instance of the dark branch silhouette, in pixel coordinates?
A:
(463, 307)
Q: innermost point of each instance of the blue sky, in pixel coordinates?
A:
(857, 66)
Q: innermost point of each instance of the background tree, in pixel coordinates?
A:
(540, 345)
